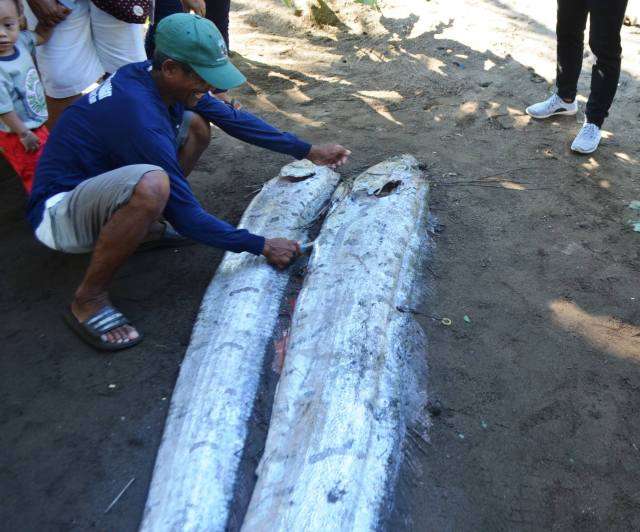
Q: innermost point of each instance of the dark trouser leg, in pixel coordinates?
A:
(162, 9)
(604, 40)
(218, 13)
(572, 20)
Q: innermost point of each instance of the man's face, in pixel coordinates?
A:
(9, 26)
(186, 87)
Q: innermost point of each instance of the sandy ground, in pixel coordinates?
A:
(540, 390)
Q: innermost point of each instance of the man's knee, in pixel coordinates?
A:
(152, 191)
(606, 53)
(200, 129)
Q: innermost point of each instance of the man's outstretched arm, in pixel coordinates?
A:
(249, 128)
(188, 217)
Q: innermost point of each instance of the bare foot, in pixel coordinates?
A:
(85, 307)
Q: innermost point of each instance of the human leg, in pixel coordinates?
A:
(218, 13)
(111, 214)
(193, 139)
(571, 22)
(604, 41)
(572, 18)
(162, 9)
(117, 43)
(68, 62)
(118, 239)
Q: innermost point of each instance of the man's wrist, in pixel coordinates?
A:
(255, 244)
(301, 150)
(310, 152)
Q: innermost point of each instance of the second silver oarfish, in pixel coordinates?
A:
(350, 382)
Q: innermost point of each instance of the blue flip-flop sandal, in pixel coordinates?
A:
(105, 320)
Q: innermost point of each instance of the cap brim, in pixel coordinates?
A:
(223, 77)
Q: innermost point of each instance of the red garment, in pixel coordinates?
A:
(22, 162)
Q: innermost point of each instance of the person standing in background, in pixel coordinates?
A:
(606, 18)
(87, 44)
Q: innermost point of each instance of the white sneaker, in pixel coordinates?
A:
(587, 139)
(552, 106)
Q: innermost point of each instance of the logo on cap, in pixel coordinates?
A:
(224, 50)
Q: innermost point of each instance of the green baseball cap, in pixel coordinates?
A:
(197, 42)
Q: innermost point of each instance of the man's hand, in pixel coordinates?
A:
(49, 12)
(30, 141)
(224, 97)
(280, 251)
(331, 155)
(197, 6)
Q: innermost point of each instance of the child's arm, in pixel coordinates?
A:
(43, 33)
(28, 138)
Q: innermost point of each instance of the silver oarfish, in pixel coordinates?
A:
(350, 383)
(206, 430)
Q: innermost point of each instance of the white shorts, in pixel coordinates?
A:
(85, 46)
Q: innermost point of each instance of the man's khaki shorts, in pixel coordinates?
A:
(72, 224)
(76, 221)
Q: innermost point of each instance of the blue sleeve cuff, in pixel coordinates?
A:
(301, 149)
(255, 244)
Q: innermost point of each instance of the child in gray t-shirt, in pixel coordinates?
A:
(23, 108)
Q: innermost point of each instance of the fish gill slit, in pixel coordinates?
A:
(387, 188)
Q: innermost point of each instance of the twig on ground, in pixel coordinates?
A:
(113, 503)
(481, 182)
(509, 171)
(255, 188)
(486, 181)
(486, 185)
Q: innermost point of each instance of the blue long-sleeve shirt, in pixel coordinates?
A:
(126, 122)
